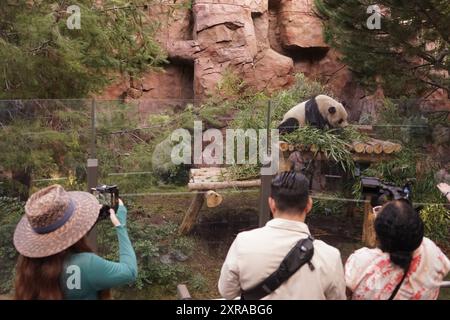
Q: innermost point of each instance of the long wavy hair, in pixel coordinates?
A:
(40, 278)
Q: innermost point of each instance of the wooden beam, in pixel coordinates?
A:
(369, 237)
(213, 199)
(224, 185)
(191, 215)
(183, 292)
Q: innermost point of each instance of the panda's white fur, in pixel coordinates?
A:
(331, 110)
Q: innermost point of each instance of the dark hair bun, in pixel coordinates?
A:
(401, 258)
(400, 230)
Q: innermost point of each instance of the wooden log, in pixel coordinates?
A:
(206, 171)
(224, 184)
(206, 179)
(359, 147)
(398, 147)
(368, 149)
(388, 147)
(191, 215)
(377, 146)
(369, 237)
(370, 158)
(213, 199)
(284, 146)
(183, 292)
(291, 147)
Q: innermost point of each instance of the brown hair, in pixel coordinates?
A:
(39, 278)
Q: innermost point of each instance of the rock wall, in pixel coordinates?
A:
(265, 42)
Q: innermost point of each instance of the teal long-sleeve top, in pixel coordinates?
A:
(85, 274)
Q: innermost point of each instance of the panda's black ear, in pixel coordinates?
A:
(332, 110)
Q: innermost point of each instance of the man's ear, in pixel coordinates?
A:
(309, 205)
(272, 206)
(332, 110)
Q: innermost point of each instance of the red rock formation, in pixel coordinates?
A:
(299, 27)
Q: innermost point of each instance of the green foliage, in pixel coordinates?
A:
(402, 120)
(46, 139)
(408, 55)
(242, 172)
(436, 219)
(404, 167)
(252, 114)
(329, 204)
(329, 142)
(302, 90)
(230, 85)
(253, 109)
(198, 283)
(11, 210)
(150, 243)
(41, 58)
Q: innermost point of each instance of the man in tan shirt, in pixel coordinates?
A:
(256, 254)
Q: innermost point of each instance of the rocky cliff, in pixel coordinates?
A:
(265, 42)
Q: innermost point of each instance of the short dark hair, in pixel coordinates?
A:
(290, 190)
(400, 230)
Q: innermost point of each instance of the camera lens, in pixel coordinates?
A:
(104, 213)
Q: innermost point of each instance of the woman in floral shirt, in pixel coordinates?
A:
(406, 265)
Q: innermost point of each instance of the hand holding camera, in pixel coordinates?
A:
(383, 192)
(108, 197)
(445, 189)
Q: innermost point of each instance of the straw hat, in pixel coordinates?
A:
(54, 220)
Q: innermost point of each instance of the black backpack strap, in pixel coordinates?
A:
(394, 293)
(300, 254)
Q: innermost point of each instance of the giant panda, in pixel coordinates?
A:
(320, 112)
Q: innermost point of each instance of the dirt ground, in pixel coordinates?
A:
(217, 228)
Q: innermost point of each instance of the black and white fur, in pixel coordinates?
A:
(320, 112)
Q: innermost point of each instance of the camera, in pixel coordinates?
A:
(383, 192)
(108, 196)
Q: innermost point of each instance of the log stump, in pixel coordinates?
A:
(191, 216)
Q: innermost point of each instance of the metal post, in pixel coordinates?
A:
(92, 171)
(264, 210)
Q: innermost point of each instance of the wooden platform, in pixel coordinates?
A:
(215, 178)
(204, 182)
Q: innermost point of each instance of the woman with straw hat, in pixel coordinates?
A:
(55, 261)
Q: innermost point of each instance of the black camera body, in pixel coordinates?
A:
(383, 192)
(108, 196)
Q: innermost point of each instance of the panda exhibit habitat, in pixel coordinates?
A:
(315, 139)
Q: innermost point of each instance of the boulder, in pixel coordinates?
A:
(271, 71)
(299, 27)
